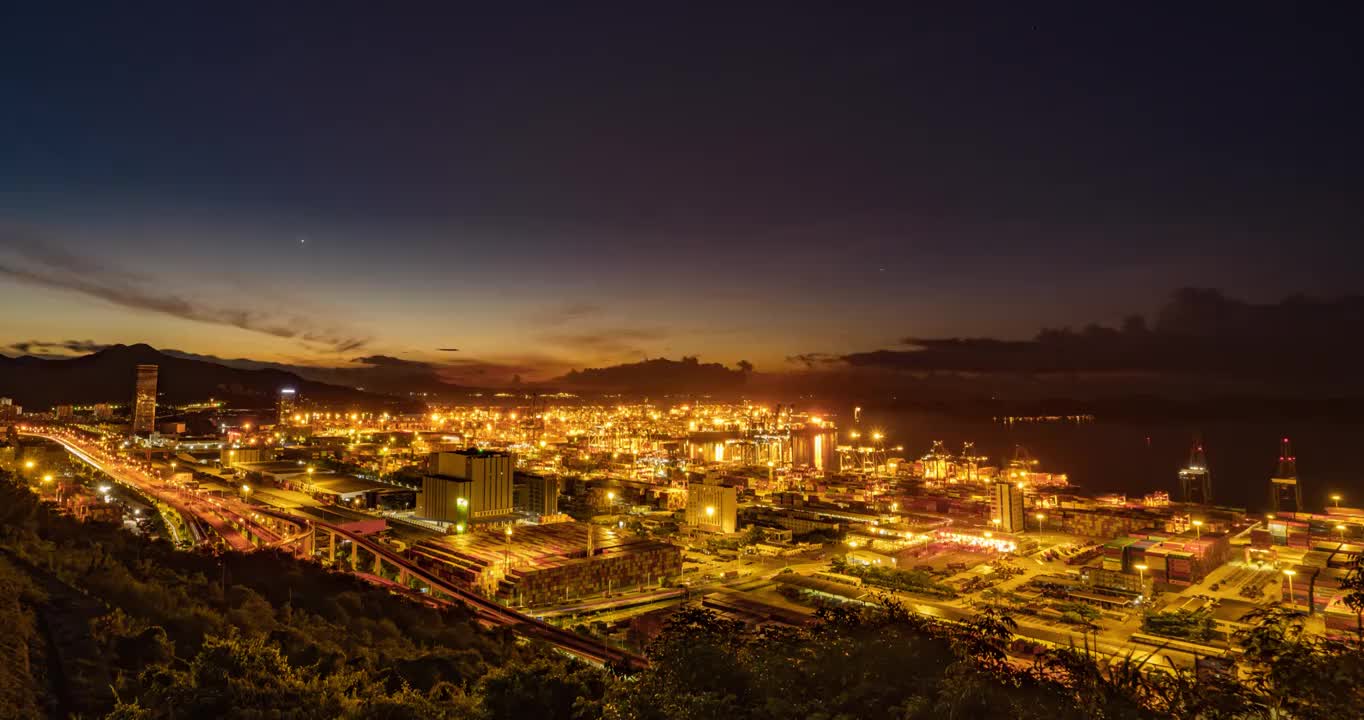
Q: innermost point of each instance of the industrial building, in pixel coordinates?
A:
(467, 486)
(712, 507)
(536, 495)
(1008, 507)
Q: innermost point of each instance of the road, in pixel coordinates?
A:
(124, 474)
(214, 511)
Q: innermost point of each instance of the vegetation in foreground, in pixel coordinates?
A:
(101, 623)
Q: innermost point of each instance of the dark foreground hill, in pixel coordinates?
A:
(105, 624)
(108, 376)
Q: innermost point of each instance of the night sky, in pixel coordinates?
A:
(583, 184)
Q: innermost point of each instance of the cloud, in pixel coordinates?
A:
(447, 349)
(39, 263)
(45, 348)
(658, 375)
(391, 362)
(568, 312)
(1197, 332)
(814, 360)
(603, 343)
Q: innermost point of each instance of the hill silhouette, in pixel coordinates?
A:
(108, 375)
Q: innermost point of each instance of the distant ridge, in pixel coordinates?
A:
(107, 376)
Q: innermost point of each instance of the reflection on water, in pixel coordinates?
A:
(1139, 457)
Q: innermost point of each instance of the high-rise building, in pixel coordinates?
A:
(467, 486)
(103, 411)
(1008, 507)
(536, 494)
(8, 410)
(1195, 481)
(1285, 495)
(144, 400)
(712, 507)
(64, 413)
(285, 406)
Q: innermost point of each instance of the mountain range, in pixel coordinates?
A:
(108, 376)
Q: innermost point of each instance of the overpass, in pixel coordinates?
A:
(196, 519)
(486, 610)
(304, 543)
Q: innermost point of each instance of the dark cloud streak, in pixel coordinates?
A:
(45, 348)
(50, 266)
(1198, 332)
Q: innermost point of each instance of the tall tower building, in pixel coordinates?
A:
(1195, 480)
(144, 399)
(1285, 494)
(287, 398)
(1008, 507)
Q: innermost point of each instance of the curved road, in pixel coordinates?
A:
(212, 513)
(140, 481)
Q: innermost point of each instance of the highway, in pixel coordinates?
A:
(189, 508)
(213, 512)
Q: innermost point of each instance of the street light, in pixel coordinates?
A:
(506, 553)
(1040, 517)
(1141, 577)
(1341, 530)
(1198, 533)
(1335, 498)
(246, 492)
(28, 464)
(47, 478)
(1289, 573)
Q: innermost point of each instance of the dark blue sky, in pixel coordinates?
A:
(550, 185)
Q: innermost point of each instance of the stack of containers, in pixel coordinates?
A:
(1260, 539)
(1301, 584)
(1157, 559)
(1179, 567)
(1344, 556)
(1298, 534)
(1113, 553)
(1341, 620)
(1135, 554)
(1278, 532)
(1211, 551)
(1326, 588)
(1316, 558)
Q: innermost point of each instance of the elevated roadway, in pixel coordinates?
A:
(213, 513)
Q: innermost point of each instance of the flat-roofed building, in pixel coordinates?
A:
(467, 486)
(536, 494)
(1008, 507)
(712, 507)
